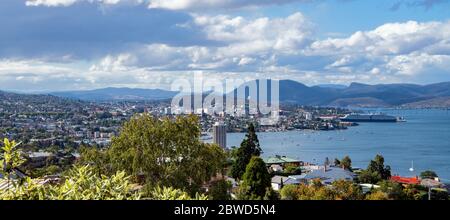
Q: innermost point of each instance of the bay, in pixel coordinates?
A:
(423, 140)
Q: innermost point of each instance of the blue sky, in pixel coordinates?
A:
(48, 45)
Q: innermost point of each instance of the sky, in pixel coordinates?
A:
(57, 45)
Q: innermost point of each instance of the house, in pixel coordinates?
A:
(327, 175)
(282, 161)
(278, 182)
(367, 187)
(405, 180)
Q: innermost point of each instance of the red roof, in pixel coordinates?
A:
(405, 180)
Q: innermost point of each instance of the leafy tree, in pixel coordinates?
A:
(165, 152)
(289, 192)
(292, 170)
(337, 162)
(256, 179)
(315, 191)
(169, 193)
(219, 190)
(376, 171)
(347, 190)
(377, 195)
(393, 190)
(81, 184)
(428, 174)
(10, 159)
(346, 163)
(249, 147)
(271, 194)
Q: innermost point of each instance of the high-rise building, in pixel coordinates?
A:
(220, 134)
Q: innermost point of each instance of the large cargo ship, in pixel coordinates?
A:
(371, 118)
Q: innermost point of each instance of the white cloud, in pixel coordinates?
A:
(408, 49)
(169, 4)
(214, 4)
(65, 3)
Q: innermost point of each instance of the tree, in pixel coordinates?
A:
(347, 190)
(249, 147)
(346, 163)
(81, 184)
(376, 171)
(219, 190)
(292, 170)
(169, 193)
(428, 174)
(10, 159)
(289, 192)
(377, 195)
(393, 190)
(271, 194)
(337, 162)
(165, 152)
(256, 179)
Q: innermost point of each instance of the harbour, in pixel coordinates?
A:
(424, 139)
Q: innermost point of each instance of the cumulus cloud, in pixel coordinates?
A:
(208, 4)
(65, 3)
(169, 4)
(403, 49)
(427, 4)
(152, 47)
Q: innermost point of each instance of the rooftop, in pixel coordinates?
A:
(280, 159)
(330, 175)
(405, 180)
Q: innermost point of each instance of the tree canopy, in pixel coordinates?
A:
(249, 147)
(256, 179)
(166, 152)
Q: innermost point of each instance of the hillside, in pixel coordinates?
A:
(355, 95)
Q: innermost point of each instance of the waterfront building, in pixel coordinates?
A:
(220, 134)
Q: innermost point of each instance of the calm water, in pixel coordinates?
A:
(423, 139)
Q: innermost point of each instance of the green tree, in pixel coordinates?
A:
(393, 190)
(346, 163)
(289, 192)
(292, 170)
(377, 195)
(337, 162)
(81, 184)
(256, 179)
(347, 190)
(169, 193)
(376, 171)
(165, 152)
(219, 190)
(249, 147)
(10, 159)
(428, 174)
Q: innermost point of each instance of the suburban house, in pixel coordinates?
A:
(405, 180)
(278, 163)
(279, 181)
(327, 175)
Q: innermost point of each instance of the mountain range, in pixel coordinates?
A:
(354, 95)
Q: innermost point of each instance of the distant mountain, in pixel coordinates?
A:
(117, 94)
(363, 95)
(354, 95)
(333, 86)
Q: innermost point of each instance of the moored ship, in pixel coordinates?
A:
(371, 118)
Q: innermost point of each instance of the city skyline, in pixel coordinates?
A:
(55, 45)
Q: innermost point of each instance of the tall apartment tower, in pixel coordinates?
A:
(220, 134)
